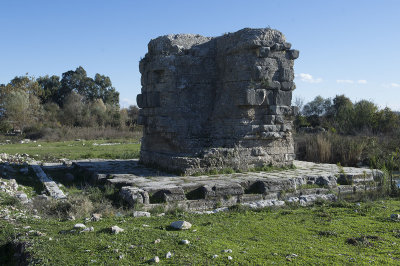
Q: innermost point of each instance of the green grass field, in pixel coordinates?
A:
(317, 235)
(51, 151)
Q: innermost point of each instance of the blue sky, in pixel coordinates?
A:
(346, 47)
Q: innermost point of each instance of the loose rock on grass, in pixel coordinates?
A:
(184, 242)
(181, 225)
(116, 229)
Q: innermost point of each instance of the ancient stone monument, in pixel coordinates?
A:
(217, 102)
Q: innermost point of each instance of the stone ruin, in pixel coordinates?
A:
(210, 103)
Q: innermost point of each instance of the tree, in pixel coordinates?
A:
(318, 106)
(21, 109)
(387, 121)
(105, 91)
(91, 89)
(50, 87)
(74, 81)
(98, 111)
(364, 115)
(342, 114)
(73, 111)
(133, 113)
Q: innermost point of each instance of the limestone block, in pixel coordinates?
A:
(225, 190)
(293, 54)
(287, 45)
(270, 128)
(134, 195)
(168, 194)
(278, 46)
(269, 119)
(279, 119)
(274, 85)
(280, 109)
(255, 97)
(263, 51)
(287, 86)
(270, 135)
(283, 98)
(287, 74)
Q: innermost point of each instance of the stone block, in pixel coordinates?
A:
(134, 195)
(293, 54)
(141, 102)
(280, 110)
(287, 74)
(287, 45)
(283, 98)
(223, 190)
(264, 51)
(255, 97)
(168, 194)
(279, 119)
(274, 85)
(287, 86)
(269, 119)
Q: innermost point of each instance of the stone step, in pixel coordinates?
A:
(50, 186)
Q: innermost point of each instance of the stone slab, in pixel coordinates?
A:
(142, 185)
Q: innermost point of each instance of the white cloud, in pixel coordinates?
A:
(391, 85)
(308, 78)
(348, 81)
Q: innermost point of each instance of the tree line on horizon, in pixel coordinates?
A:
(74, 100)
(341, 115)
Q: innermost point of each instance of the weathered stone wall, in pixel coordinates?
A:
(212, 103)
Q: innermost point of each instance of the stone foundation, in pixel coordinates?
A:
(148, 188)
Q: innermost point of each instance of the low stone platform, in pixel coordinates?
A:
(149, 188)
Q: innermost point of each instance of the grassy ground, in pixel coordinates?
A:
(50, 151)
(325, 234)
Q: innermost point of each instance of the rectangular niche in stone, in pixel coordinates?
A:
(209, 103)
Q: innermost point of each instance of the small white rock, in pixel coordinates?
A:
(156, 259)
(141, 214)
(116, 229)
(157, 241)
(88, 229)
(230, 258)
(227, 251)
(215, 256)
(79, 226)
(181, 225)
(168, 255)
(96, 217)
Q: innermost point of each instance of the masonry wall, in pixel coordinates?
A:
(213, 103)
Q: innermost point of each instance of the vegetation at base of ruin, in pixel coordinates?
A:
(270, 168)
(326, 233)
(228, 170)
(82, 149)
